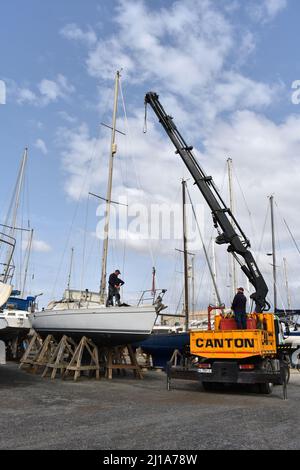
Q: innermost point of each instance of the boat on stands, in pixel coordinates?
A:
(85, 313)
(15, 307)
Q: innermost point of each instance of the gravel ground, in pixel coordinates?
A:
(131, 414)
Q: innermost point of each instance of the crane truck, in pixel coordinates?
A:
(224, 354)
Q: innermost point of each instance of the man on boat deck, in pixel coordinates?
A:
(114, 284)
(239, 308)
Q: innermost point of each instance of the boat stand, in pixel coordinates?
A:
(32, 350)
(45, 353)
(116, 359)
(76, 364)
(60, 358)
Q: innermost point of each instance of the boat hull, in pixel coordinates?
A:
(162, 345)
(11, 333)
(16, 325)
(111, 326)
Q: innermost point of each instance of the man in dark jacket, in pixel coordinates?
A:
(114, 284)
(239, 308)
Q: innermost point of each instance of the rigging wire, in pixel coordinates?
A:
(204, 248)
(75, 212)
(126, 179)
(288, 228)
(211, 240)
(258, 256)
(246, 205)
(84, 243)
(138, 181)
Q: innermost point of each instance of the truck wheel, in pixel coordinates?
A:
(208, 386)
(266, 388)
(213, 386)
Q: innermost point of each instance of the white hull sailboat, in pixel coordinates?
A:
(14, 307)
(85, 313)
(107, 326)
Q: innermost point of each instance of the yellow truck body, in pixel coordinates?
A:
(236, 344)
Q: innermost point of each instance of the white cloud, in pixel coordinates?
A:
(191, 54)
(266, 10)
(266, 155)
(67, 117)
(199, 67)
(236, 91)
(40, 144)
(150, 45)
(41, 246)
(25, 95)
(48, 91)
(38, 246)
(79, 151)
(73, 32)
(51, 90)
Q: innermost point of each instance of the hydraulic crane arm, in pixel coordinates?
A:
(223, 219)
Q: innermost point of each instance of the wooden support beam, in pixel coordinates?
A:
(33, 349)
(76, 366)
(60, 358)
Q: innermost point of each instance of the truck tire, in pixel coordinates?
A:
(208, 386)
(266, 388)
(213, 386)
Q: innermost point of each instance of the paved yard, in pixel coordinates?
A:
(124, 413)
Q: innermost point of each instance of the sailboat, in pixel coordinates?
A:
(14, 307)
(288, 317)
(85, 313)
(165, 339)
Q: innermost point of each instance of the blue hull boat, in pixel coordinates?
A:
(162, 345)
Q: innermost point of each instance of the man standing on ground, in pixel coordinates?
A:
(239, 308)
(114, 285)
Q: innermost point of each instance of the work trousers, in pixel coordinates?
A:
(241, 320)
(113, 292)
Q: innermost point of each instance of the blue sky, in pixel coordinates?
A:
(224, 69)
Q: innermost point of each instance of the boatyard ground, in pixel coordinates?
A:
(125, 413)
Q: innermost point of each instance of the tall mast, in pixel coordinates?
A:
(27, 261)
(113, 151)
(273, 252)
(70, 270)
(185, 256)
(192, 275)
(12, 223)
(232, 208)
(287, 284)
(216, 300)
